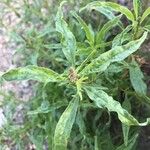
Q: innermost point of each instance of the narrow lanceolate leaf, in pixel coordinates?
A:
(40, 74)
(106, 11)
(103, 100)
(81, 124)
(101, 35)
(136, 78)
(125, 128)
(145, 14)
(64, 125)
(89, 34)
(114, 6)
(124, 36)
(116, 54)
(137, 6)
(68, 39)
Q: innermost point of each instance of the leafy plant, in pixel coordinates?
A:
(92, 75)
(136, 17)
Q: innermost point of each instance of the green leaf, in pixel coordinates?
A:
(68, 39)
(37, 140)
(144, 98)
(81, 123)
(130, 145)
(136, 78)
(124, 36)
(105, 141)
(137, 6)
(64, 125)
(40, 74)
(103, 100)
(125, 128)
(105, 29)
(116, 7)
(147, 28)
(108, 12)
(145, 14)
(116, 54)
(89, 34)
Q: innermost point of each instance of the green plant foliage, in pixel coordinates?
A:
(108, 12)
(101, 35)
(68, 39)
(123, 37)
(90, 89)
(137, 7)
(136, 18)
(125, 128)
(89, 34)
(116, 54)
(145, 14)
(64, 125)
(130, 145)
(114, 6)
(102, 100)
(40, 74)
(136, 77)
